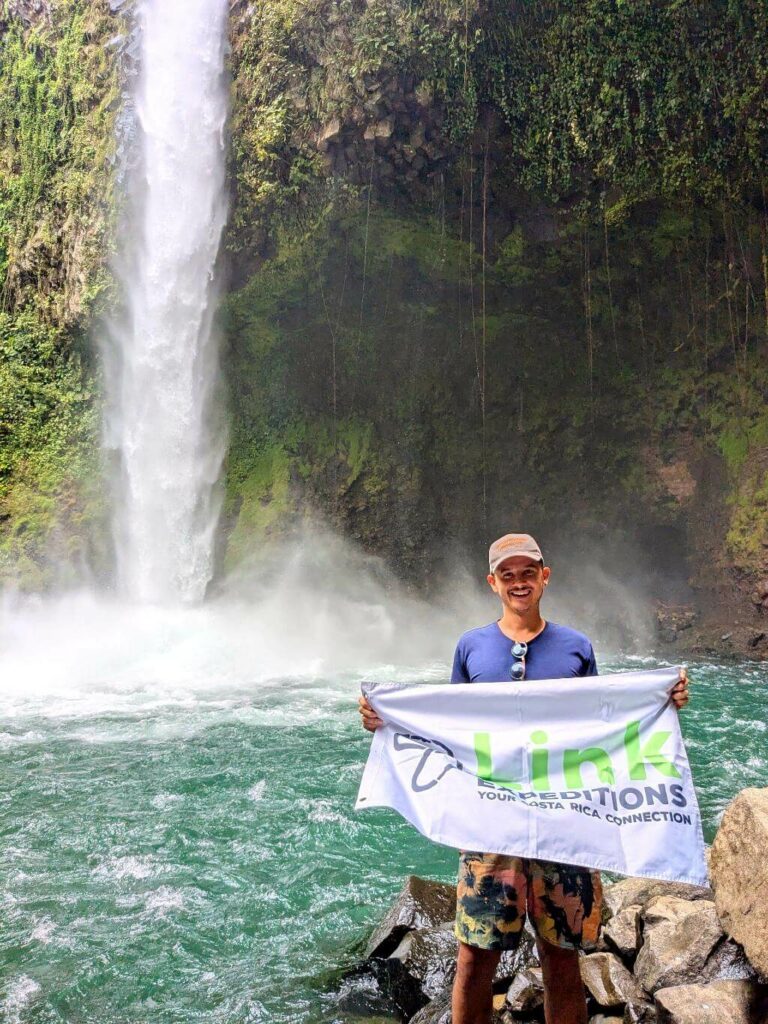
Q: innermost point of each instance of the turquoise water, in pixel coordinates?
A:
(191, 854)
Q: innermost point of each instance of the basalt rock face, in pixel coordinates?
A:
(29, 12)
(427, 205)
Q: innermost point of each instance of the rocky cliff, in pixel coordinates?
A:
(490, 267)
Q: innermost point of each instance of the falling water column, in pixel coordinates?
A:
(162, 407)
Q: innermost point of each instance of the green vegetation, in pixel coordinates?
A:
(58, 96)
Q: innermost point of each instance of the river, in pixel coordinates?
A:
(179, 842)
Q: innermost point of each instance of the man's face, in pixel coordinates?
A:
(519, 582)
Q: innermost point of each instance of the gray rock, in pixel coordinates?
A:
(727, 962)
(30, 12)
(526, 993)
(420, 904)
(328, 133)
(678, 938)
(623, 933)
(361, 995)
(608, 980)
(641, 891)
(739, 875)
(722, 1002)
(428, 957)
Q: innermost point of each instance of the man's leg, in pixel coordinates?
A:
(473, 987)
(490, 914)
(564, 1000)
(564, 902)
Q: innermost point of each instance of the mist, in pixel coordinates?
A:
(314, 611)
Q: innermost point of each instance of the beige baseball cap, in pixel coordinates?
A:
(510, 545)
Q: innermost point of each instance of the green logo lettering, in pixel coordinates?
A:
(539, 763)
(485, 764)
(574, 759)
(638, 755)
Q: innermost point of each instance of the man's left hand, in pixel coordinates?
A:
(679, 694)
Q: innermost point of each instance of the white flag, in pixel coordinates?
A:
(589, 771)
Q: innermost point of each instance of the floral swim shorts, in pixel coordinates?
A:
(495, 892)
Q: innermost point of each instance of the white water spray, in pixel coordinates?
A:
(163, 374)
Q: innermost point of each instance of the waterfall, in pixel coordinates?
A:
(162, 372)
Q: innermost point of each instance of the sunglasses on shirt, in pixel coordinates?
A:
(518, 651)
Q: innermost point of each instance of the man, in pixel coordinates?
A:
(496, 891)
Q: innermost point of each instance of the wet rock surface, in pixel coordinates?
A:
(420, 904)
(672, 620)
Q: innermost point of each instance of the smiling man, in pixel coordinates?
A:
(496, 892)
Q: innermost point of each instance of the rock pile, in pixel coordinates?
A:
(669, 953)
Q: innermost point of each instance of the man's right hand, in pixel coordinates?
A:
(370, 719)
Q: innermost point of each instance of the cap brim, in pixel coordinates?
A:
(535, 556)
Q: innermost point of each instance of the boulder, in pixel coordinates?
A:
(721, 1002)
(739, 871)
(420, 904)
(360, 995)
(623, 933)
(600, 1018)
(608, 980)
(678, 938)
(526, 993)
(640, 891)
